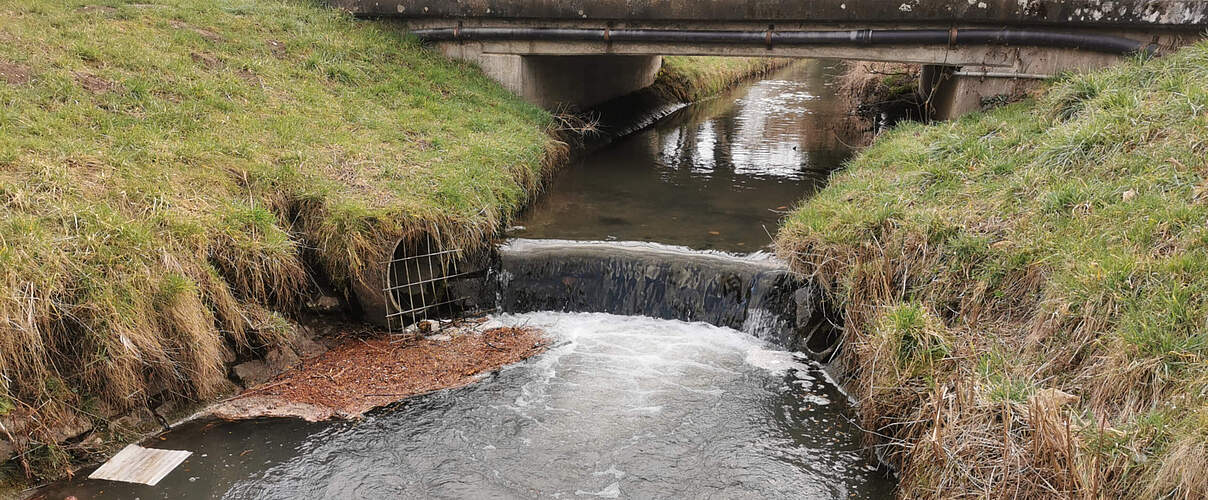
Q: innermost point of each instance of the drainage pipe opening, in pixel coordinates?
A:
(424, 281)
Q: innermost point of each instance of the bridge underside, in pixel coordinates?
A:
(565, 83)
(580, 74)
(577, 53)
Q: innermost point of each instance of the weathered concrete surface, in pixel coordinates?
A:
(1069, 13)
(955, 93)
(1165, 24)
(954, 89)
(580, 82)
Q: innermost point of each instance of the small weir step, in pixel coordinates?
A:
(755, 293)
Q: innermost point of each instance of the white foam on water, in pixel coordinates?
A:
(778, 362)
(531, 245)
(628, 348)
(611, 471)
(815, 399)
(636, 366)
(611, 491)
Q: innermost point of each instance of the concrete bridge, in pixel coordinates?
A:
(577, 53)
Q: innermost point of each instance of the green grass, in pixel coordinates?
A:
(175, 174)
(692, 78)
(1062, 245)
(172, 171)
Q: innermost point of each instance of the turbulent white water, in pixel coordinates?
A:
(627, 407)
(622, 407)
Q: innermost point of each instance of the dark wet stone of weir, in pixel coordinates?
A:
(753, 293)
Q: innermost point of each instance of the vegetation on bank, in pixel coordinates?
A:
(173, 174)
(880, 94)
(176, 174)
(1025, 291)
(692, 78)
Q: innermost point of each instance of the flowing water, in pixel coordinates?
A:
(714, 175)
(623, 406)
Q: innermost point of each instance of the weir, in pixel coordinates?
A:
(674, 370)
(755, 293)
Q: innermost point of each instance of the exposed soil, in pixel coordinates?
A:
(277, 48)
(362, 374)
(14, 74)
(205, 59)
(94, 84)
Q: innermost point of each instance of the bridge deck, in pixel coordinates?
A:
(1067, 13)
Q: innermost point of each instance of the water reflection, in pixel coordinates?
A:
(718, 174)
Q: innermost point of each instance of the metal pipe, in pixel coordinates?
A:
(1002, 74)
(771, 38)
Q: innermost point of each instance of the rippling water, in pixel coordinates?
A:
(715, 175)
(624, 407)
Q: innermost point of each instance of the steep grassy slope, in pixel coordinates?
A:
(165, 166)
(1026, 291)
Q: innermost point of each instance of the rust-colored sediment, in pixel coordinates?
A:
(362, 374)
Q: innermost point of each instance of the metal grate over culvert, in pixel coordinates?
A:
(419, 284)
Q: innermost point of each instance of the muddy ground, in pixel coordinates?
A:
(364, 373)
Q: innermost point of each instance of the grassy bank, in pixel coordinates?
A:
(1025, 292)
(173, 173)
(692, 78)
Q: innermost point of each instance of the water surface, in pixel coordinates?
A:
(625, 407)
(715, 175)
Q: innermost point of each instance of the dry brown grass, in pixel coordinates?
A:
(1023, 291)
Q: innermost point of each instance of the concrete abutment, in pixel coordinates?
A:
(567, 82)
(576, 54)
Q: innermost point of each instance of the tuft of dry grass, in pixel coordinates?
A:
(1048, 262)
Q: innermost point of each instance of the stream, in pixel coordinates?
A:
(624, 406)
(718, 174)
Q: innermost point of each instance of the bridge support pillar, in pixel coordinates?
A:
(952, 92)
(570, 82)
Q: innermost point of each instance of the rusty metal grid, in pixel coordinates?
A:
(417, 286)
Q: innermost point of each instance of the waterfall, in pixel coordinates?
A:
(754, 293)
